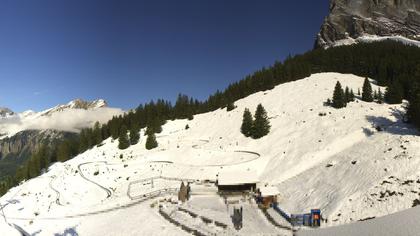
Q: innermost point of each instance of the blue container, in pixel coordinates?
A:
(315, 217)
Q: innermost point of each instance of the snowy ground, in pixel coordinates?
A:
(337, 162)
(403, 223)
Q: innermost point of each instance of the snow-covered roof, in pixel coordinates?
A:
(269, 191)
(237, 177)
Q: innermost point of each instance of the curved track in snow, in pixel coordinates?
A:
(197, 147)
(108, 192)
(57, 193)
(134, 200)
(107, 210)
(256, 156)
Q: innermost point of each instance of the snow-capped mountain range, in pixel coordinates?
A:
(71, 117)
(77, 104)
(74, 104)
(353, 21)
(355, 163)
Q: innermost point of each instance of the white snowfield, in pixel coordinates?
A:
(316, 156)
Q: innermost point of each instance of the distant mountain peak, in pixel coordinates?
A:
(82, 104)
(6, 112)
(352, 21)
(77, 104)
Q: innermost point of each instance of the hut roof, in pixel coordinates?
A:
(269, 191)
(237, 178)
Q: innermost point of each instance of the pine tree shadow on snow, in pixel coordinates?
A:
(68, 232)
(398, 126)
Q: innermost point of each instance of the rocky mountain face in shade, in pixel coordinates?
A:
(350, 20)
(17, 149)
(28, 140)
(5, 112)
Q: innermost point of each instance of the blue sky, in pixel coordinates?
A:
(129, 52)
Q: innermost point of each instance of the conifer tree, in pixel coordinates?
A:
(149, 130)
(151, 142)
(34, 168)
(156, 125)
(338, 100)
(21, 174)
(83, 142)
(41, 158)
(105, 131)
(230, 106)
(380, 96)
(114, 128)
(134, 135)
(261, 125)
(351, 95)
(123, 139)
(190, 116)
(367, 91)
(153, 127)
(329, 103)
(247, 123)
(413, 109)
(63, 152)
(97, 133)
(90, 138)
(347, 95)
(394, 93)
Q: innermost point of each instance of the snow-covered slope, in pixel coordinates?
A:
(404, 223)
(71, 117)
(317, 156)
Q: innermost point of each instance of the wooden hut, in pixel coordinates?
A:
(237, 181)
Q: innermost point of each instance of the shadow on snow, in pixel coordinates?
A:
(398, 127)
(68, 232)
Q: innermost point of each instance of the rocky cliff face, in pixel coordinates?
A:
(16, 150)
(5, 112)
(24, 143)
(352, 19)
